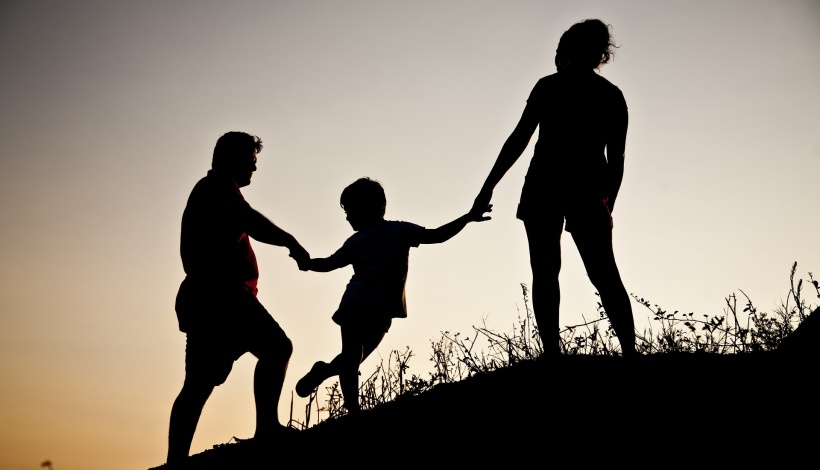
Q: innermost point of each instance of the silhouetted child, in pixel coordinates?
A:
(378, 252)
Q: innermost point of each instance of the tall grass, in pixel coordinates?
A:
(742, 328)
(736, 331)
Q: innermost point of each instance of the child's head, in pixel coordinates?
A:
(363, 202)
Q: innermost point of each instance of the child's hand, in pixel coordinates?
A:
(301, 256)
(477, 215)
(304, 264)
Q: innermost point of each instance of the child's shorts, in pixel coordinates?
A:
(362, 319)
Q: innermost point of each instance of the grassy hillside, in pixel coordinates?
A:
(735, 390)
(666, 409)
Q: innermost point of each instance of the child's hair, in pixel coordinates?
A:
(364, 196)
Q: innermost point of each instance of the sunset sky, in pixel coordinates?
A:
(109, 111)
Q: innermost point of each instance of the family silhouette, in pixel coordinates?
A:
(572, 184)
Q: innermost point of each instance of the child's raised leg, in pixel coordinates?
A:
(359, 340)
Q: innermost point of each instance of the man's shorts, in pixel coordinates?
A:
(247, 327)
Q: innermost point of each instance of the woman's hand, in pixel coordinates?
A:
(478, 215)
(482, 203)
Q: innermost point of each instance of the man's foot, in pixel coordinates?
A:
(307, 384)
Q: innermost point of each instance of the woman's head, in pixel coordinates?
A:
(586, 45)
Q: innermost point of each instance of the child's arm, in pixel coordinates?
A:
(450, 229)
(319, 265)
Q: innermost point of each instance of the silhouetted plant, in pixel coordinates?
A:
(587, 338)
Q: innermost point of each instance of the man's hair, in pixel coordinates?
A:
(586, 44)
(234, 144)
(363, 196)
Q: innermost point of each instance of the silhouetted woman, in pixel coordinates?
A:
(573, 178)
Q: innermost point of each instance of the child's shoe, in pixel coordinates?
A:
(307, 384)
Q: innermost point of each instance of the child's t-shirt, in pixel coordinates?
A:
(379, 256)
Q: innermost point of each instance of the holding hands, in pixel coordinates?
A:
(300, 255)
(304, 264)
(476, 214)
(482, 202)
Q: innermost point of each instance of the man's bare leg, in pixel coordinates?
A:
(185, 415)
(268, 378)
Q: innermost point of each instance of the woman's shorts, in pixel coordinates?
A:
(591, 215)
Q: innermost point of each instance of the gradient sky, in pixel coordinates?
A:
(109, 111)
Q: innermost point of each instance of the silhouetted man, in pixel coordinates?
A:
(216, 304)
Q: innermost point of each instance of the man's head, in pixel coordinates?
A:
(363, 202)
(235, 154)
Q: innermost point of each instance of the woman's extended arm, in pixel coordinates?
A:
(510, 151)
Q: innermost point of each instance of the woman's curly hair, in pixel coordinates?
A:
(586, 44)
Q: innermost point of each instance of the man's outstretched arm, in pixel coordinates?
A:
(260, 228)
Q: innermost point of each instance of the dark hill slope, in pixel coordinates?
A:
(660, 410)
